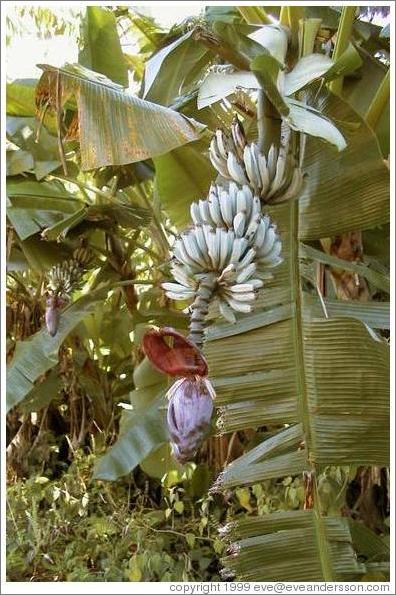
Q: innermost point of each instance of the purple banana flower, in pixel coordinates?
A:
(54, 304)
(189, 413)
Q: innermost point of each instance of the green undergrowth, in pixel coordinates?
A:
(74, 528)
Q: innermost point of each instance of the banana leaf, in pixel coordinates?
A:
(142, 431)
(291, 546)
(115, 127)
(34, 206)
(322, 372)
(140, 434)
(101, 49)
(167, 70)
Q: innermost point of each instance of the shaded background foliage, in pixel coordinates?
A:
(84, 406)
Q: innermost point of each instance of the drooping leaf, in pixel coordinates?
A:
(274, 39)
(116, 127)
(218, 85)
(41, 255)
(61, 228)
(43, 392)
(306, 70)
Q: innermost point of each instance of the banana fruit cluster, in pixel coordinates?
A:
(225, 254)
(65, 276)
(273, 177)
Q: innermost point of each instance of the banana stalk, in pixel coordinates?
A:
(224, 255)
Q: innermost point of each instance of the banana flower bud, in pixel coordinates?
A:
(191, 397)
(189, 414)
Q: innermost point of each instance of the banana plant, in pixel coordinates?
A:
(265, 347)
(324, 377)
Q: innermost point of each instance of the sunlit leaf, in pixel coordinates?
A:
(310, 121)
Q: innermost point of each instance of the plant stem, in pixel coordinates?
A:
(267, 126)
(302, 390)
(164, 239)
(378, 103)
(221, 48)
(343, 36)
(284, 16)
(83, 185)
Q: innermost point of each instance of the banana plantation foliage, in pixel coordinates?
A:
(197, 296)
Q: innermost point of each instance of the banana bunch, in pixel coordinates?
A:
(225, 254)
(65, 276)
(273, 177)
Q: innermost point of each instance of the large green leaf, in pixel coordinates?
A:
(305, 71)
(34, 206)
(101, 48)
(142, 429)
(148, 33)
(273, 38)
(182, 176)
(40, 255)
(168, 69)
(141, 434)
(346, 190)
(218, 85)
(39, 353)
(290, 546)
(347, 63)
(42, 151)
(43, 392)
(117, 127)
(20, 97)
(319, 368)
